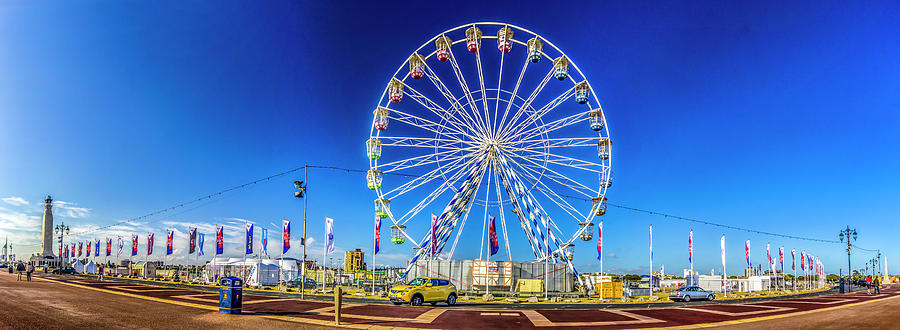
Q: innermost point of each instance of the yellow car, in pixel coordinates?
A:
(424, 289)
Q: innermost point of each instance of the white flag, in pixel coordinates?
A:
(723, 251)
(329, 235)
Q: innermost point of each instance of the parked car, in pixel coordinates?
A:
(691, 293)
(68, 270)
(309, 283)
(424, 289)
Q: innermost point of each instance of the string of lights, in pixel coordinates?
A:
(350, 170)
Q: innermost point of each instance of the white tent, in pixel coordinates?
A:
(79, 266)
(91, 267)
(263, 272)
(290, 268)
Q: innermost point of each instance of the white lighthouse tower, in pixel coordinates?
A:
(47, 241)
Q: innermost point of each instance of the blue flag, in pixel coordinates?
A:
(200, 239)
(265, 241)
(97, 249)
(249, 249)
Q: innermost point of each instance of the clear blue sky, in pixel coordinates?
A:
(779, 117)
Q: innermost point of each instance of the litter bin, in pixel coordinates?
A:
(230, 295)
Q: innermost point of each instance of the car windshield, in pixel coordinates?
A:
(681, 289)
(418, 281)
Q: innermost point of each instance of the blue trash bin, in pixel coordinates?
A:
(230, 295)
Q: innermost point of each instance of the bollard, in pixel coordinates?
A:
(337, 305)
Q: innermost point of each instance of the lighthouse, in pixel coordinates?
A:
(47, 239)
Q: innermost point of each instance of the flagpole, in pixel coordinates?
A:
(651, 260)
(374, 252)
(601, 259)
(324, 256)
(486, 275)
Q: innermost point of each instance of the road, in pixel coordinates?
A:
(77, 302)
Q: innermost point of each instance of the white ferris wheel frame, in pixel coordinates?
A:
(455, 151)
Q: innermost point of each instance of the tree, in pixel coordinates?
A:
(832, 277)
(632, 277)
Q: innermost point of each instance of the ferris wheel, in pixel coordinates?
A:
(509, 134)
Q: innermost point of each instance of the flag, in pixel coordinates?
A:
(377, 234)
(802, 261)
(149, 243)
(192, 237)
(723, 251)
(434, 221)
(134, 244)
(691, 248)
(286, 236)
(781, 257)
(220, 240)
(600, 242)
(747, 252)
(265, 241)
(66, 252)
(121, 246)
(80, 246)
(89, 249)
(651, 244)
(329, 235)
(60, 250)
(768, 255)
(249, 249)
(97, 249)
(492, 235)
(200, 239)
(108, 246)
(170, 240)
(793, 259)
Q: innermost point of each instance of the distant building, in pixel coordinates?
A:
(749, 271)
(354, 260)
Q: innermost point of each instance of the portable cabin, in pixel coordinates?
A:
(504, 39)
(395, 90)
(534, 49)
(473, 39)
(397, 234)
(605, 179)
(443, 48)
(599, 205)
(381, 118)
(416, 66)
(596, 120)
(373, 179)
(373, 149)
(568, 250)
(603, 148)
(588, 233)
(581, 92)
(382, 207)
(561, 68)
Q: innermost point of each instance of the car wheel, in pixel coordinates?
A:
(397, 303)
(433, 303)
(416, 300)
(686, 298)
(710, 297)
(451, 300)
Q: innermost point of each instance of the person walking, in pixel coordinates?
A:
(20, 268)
(869, 284)
(876, 284)
(29, 270)
(100, 272)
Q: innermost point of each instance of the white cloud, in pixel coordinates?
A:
(69, 209)
(15, 201)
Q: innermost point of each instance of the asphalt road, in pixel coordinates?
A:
(48, 305)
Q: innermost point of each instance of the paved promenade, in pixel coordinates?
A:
(74, 302)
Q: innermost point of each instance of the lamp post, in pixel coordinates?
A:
(62, 229)
(849, 234)
(301, 193)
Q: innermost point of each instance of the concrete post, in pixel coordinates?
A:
(337, 305)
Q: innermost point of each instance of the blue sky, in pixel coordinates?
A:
(772, 116)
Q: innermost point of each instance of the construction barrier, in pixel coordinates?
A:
(609, 290)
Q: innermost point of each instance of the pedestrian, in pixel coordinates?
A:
(869, 284)
(876, 283)
(29, 270)
(100, 273)
(20, 268)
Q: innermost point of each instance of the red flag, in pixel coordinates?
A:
(377, 234)
(434, 221)
(286, 236)
(149, 244)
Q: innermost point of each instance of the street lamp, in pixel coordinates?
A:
(301, 193)
(62, 229)
(849, 234)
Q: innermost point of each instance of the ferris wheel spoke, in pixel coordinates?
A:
(524, 107)
(571, 183)
(550, 127)
(516, 192)
(455, 105)
(461, 78)
(487, 117)
(437, 173)
(440, 190)
(551, 194)
(420, 142)
(561, 160)
(428, 125)
(558, 142)
(497, 103)
(417, 161)
(539, 113)
(512, 98)
(502, 214)
(437, 109)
